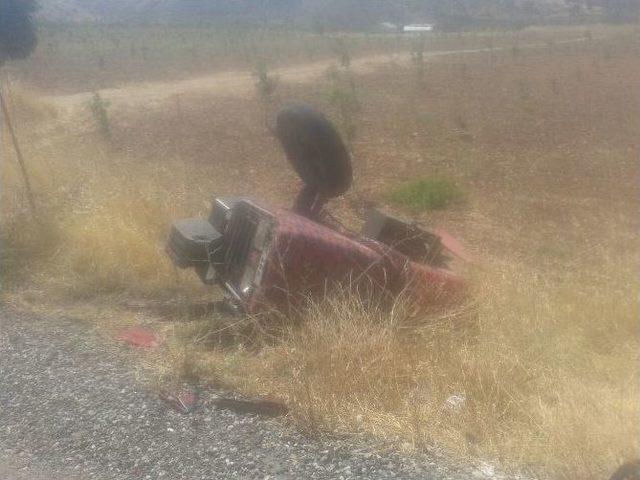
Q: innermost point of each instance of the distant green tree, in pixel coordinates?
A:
(99, 108)
(417, 55)
(342, 51)
(622, 10)
(343, 96)
(266, 86)
(17, 33)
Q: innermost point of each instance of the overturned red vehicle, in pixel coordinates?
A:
(266, 257)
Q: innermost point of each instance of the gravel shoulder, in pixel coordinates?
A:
(72, 407)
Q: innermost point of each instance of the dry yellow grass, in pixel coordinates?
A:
(546, 353)
(547, 370)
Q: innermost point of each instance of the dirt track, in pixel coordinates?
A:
(242, 82)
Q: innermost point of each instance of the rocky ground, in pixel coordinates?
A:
(72, 406)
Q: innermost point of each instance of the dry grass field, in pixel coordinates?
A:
(95, 56)
(541, 140)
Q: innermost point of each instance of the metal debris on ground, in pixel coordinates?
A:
(138, 337)
(183, 401)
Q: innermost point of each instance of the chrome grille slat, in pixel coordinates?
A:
(241, 230)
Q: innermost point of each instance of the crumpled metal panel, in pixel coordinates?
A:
(308, 259)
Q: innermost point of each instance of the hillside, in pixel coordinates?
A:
(157, 10)
(348, 14)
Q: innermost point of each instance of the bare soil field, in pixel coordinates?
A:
(543, 143)
(71, 58)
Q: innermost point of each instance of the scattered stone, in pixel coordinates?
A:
(256, 406)
(455, 402)
(129, 434)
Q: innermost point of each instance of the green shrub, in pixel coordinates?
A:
(417, 56)
(427, 194)
(266, 86)
(265, 83)
(99, 109)
(343, 97)
(341, 49)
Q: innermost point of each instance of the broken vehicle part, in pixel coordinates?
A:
(265, 257)
(138, 337)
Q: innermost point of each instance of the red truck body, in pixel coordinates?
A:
(273, 258)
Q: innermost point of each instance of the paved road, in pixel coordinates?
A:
(72, 407)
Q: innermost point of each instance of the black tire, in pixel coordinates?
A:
(315, 150)
(628, 471)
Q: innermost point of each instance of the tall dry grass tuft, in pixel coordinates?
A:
(99, 229)
(117, 248)
(22, 236)
(537, 374)
(28, 106)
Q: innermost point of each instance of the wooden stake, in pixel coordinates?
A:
(21, 162)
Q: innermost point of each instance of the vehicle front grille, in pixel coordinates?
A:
(238, 239)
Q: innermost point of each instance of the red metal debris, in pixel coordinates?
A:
(306, 256)
(183, 401)
(452, 244)
(138, 337)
